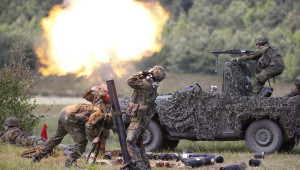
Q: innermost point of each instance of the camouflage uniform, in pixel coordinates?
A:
(296, 91)
(14, 135)
(269, 63)
(80, 121)
(141, 109)
(106, 131)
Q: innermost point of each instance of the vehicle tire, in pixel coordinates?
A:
(263, 136)
(287, 146)
(153, 137)
(169, 144)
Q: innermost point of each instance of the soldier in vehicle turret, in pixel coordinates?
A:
(296, 91)
(269, 63)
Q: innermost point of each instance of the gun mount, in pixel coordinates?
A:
(232, 53)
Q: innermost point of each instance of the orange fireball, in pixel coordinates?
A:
(85, 34)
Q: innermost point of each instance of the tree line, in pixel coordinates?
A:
(20, 20)
(195, 28)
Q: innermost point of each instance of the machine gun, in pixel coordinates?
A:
(100, 133)
(231, 52)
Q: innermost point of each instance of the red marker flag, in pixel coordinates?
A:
(44, 132)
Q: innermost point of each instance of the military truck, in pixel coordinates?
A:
(267, 124)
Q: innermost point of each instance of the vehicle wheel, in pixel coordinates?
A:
(263, 136)
(169, 144)
(287, 146)
(153, 137)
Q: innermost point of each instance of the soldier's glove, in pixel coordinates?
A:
(144, 73)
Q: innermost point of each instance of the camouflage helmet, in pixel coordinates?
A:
(261, 39)
(297, 81)
(158, 73)
(11, 122)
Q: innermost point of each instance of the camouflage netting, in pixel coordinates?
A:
(192, 109)
(283, 109)
(240, 108)
(236, 79)
(202, 111)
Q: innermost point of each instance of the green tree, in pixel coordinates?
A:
(20, 18)
(16, 97)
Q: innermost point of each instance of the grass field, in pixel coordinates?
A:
(233, 152)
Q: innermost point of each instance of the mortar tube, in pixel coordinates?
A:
(199, 161)
(218, 158)
(150, 155)
(260, 155)
(254, 162)
(118, 119)
(240, 166)
(107, 155)
(174, 156)
(167, 157)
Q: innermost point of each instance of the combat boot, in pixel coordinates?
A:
(257, 87)
(140, 165)
(35, 159)
(147, 163)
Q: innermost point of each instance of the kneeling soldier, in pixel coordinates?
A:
(81, 121)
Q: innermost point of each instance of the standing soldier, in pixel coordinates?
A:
(81, 121)
(269, 62)
(16, 136)
(296, 91)
(141, 109)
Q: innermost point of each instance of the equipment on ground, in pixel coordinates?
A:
(240, 166)
(198, 161)
(218, 158)
(260, 155)
(254, 162)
